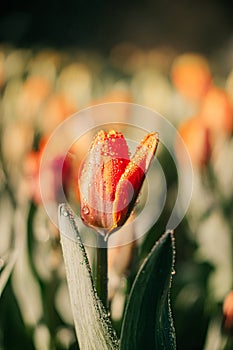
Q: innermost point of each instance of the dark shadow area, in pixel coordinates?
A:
(186, 25)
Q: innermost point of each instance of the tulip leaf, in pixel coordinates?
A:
(92, 324)
(147, 322)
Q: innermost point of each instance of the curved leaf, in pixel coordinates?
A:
(93, 327)
(147, 321)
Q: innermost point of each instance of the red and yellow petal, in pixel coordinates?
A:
(100, 174)
(132, 179)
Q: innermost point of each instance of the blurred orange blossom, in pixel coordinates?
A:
(191, 75)
(55, 110)
(228, 312)
(217, 111)
(33, 93)
(31, 169)
(196, 137)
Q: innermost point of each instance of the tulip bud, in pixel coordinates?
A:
(109, 181)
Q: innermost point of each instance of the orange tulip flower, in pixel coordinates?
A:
(217, 111)
(191, 76)
(109, 182)
(54, 189)
(228, 312)
(196, 137)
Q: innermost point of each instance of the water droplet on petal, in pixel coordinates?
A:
(85, 210)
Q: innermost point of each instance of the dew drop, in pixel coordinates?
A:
(85, 210)
(65, 212)
(173, 271)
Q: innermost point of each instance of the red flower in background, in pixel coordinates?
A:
(53, 186)
(110, 182)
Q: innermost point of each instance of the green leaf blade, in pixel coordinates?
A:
(92, 324)
(147, 321)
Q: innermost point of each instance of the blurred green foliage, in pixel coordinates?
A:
(34, 303)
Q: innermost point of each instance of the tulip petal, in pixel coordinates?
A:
(132, 179)
(100, 174)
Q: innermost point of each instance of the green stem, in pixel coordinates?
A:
(101, 269)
